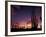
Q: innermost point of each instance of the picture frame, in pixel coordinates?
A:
(8, 17)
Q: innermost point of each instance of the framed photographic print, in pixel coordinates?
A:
(24, 18)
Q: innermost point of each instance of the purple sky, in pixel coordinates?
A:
(23, 13)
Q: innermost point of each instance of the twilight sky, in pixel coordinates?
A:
(22, 14)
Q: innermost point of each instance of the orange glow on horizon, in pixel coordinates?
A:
(23, 25)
